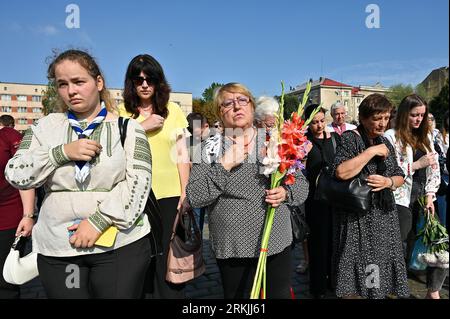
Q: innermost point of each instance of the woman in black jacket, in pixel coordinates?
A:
(319, 212)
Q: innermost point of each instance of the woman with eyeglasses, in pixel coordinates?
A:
(146, 99)
(230, 182)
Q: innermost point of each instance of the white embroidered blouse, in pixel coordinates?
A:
(115, 193)
(403, 193)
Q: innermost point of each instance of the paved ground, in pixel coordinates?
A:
(209, 285)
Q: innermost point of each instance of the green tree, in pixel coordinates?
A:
(208, 93)
(197, 105)
(204, 108)
(420, 90)
(439, 105)
(290, 105)
(398, 92)
(49, 99)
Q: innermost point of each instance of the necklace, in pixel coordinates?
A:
(145, 111)
(245, 144)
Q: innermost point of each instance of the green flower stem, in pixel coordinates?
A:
(260, 276)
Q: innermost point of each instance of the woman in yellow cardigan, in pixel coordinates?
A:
(146, 98)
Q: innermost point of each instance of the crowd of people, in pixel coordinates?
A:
(96, 181)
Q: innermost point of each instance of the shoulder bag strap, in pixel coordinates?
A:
(123, 124)
(333, 140)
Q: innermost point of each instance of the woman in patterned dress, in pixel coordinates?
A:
(229, 181)
(368, 258)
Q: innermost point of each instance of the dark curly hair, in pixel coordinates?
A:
(151, 68)
(374, 104)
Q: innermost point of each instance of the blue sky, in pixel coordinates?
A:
(256, 42)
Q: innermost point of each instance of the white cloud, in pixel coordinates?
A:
(388, 72)
(47, 30)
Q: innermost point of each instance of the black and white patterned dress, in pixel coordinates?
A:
(236, 202)
(367, 250)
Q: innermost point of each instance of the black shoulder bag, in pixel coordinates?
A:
(152, 209)
(300, 229)
(353, 195)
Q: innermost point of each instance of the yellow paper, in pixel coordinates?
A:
(108, 238)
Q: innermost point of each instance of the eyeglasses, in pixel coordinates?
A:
(139, 80)
(242, 101)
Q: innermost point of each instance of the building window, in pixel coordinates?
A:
(346, 103)
(22, 121)
(35, 90)
(6, 97)
(22, 109)
(37, 110)
(36, 98)
(22, 98)
(358, 100)
(338, 101)
(345, 93)
(5, 88)
(6, 109)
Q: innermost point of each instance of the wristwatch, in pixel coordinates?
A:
(31, 215)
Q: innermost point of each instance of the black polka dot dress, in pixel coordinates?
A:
(367, 251)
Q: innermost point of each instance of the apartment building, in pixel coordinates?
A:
(328, 92)
(23, 101)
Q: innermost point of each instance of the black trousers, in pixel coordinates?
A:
(155, 283)
(406, 221)
(7, 291)
(319, 219)
(114, 274)
(237, 276)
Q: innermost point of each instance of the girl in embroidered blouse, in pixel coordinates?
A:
(416, 156)
(91, 183)
(146, 98)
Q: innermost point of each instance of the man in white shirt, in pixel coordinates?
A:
(338, 113)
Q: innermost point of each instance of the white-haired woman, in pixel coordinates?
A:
(265, 112)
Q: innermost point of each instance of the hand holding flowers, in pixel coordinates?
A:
(434, 237)
(286, 147)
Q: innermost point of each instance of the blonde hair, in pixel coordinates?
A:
(232, 87)
(89, 64)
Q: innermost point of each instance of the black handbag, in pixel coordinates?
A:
(353, 195)
(151, 209)
(300, 229)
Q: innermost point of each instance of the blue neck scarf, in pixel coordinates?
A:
(82, 168)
